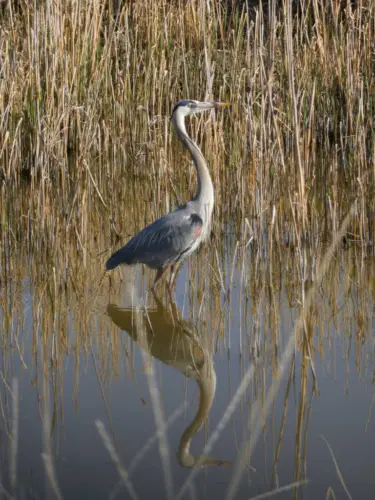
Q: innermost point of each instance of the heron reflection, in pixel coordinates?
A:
(162, 333)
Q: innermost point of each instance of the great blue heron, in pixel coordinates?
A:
(167, 241)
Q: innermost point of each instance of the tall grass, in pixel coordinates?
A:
(87, 157)
(85, 96)
(86, 92)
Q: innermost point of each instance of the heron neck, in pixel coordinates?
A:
(205, 192)
(207, 388)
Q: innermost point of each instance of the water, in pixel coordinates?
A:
(111, 353)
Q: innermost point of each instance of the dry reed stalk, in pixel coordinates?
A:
(86, 101)
(255, 418)
(85, 98)
(115, 458)
(337, 468)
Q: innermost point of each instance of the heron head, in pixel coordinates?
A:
(190, 107)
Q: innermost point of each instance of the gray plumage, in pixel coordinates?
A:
(171, 238)
(163, 242)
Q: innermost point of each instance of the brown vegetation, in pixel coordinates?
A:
(87, 158)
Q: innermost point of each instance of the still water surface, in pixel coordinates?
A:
(133, 361)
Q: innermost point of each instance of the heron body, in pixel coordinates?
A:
(167, 241)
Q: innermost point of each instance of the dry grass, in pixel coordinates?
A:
(85, 96)
(87, 157)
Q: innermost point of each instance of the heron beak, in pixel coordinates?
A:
(222, 104)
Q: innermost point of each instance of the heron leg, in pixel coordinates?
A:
(159, 275)
(174, 272)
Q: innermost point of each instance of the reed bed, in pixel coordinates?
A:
(87, 157)
(86, 92)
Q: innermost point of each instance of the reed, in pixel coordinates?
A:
(87, 158)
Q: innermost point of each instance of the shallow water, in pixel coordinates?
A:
(119, 356)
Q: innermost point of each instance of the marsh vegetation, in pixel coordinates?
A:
(282, 297)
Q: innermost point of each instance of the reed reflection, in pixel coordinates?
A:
(162, 333)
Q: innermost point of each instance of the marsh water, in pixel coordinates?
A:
(101, 378)
(256, 375)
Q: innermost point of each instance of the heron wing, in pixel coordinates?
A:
(164, 241)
